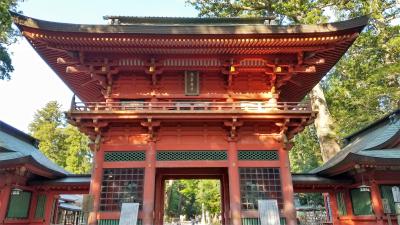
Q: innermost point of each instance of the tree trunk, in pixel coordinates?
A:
(323, 124)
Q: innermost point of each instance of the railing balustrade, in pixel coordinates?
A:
(190, 106)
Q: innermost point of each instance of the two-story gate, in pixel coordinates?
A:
(186, 95)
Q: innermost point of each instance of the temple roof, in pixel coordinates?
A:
(378, 144)
(16, 148)
(71, 179)
(314, 179)
(206, 26)
(179, 43)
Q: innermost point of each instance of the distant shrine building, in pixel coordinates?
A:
(194, 98)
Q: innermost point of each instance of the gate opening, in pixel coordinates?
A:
(192, 201)
(183, 195)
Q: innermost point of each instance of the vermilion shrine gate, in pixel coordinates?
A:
(167, 98)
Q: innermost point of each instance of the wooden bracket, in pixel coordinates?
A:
(153, 71)
(299, 127)
(234, 125)
(97, 142)
(300, 58)
(151, 127)
(284, 79)
(283, 125)
(230, 69)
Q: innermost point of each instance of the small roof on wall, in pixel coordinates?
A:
(188, 38)
(377, 144)
(18, 148)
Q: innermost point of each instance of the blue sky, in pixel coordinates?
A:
(33, 83)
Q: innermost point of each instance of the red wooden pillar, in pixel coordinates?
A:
(32, 207)
(377, 205)
(289, 210)
(334, 208)
(234, 184)
(149, 184)
(55, 210)
(225, 198)
(347, 201)
(48, 208)
(4, 197)
(95, 185)
(159, 198)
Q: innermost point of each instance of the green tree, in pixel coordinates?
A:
(7, 36)
(185, 197)
(305, 154)
(173, 199)
(47, 126)
(78, 153)
(365, 84)
(209, 194)
(61, 143)
(189, 192)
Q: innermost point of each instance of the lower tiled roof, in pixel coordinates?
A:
(370, 142)
(12, 147)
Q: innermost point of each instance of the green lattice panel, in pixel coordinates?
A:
(115, 222)
(191, 155)
(256, 221)
(124, 156)
(18, 206)
(108, 222)
(258, 155)
(40, 205)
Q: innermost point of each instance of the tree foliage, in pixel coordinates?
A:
(186, 197)
(61, 143)
(7, 36)
(365, 84)
(305, 154)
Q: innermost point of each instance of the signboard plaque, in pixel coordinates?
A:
(396, 193)
(269, 212)
(192, 83)
(386, 206)
(129, 214)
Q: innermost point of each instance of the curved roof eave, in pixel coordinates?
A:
(176, 29)
(356, 158)
(28, 159)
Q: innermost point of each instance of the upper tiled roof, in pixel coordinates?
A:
(181, 26)
(190, 38)
(16, 145)
(373, 141)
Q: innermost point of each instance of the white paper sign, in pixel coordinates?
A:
(396, 193)
(129, 213)
(386, 206)
(269, 212)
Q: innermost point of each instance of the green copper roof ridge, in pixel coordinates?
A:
(395, 112)
(356, 24)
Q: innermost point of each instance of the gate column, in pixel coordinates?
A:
(4, 198)
(149, 184)
(95, 184)
(234, 184)
(289, 211)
